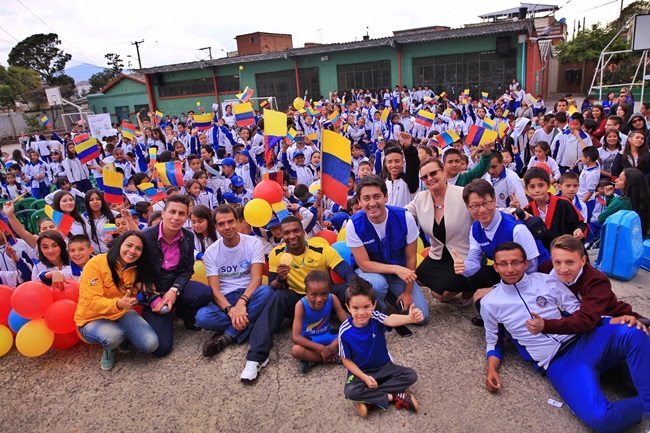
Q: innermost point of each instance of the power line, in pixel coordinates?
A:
(9, 34)
(48, 26)
(599, 6)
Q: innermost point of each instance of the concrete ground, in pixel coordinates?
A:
(67, 391)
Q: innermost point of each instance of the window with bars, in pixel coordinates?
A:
(370, 75)
(198, 86)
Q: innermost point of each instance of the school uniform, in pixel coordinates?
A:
(40, 187)
(504, 185)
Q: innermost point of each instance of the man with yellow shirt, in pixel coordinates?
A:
(289, 264)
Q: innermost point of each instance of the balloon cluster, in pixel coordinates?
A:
(258, 212)
(39, 316)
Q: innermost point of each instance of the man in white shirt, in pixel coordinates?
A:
(234, 266)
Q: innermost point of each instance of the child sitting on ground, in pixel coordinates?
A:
(372, 377)
(314, 339)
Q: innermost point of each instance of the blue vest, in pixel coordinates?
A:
(504, 233)
(316, 322)
(392, 249)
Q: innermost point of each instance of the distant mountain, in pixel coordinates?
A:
(83, 71)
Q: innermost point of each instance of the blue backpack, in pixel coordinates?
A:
(621, 245)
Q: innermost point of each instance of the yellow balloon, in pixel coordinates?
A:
(552, 190)
(341, 235)
(6, 340)
(318, 242)
(265, 279)
(199, 273)
(420, 246)
(258, 212)
(34, 338)
(298, 103)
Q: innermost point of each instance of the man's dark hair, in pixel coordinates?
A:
(590, 152)
(291, 219)
(536, 173)
(225, 209)
(510, 246)
(568, 175)
(317, 277)
(178, 198)
(142, 207)
(561, 117)
(481, 187)
(359, 286)
(496, 154)
(616, 119)
(577, 117)
(549, 117)
(372, 180)
(81, 239)
(568, 243)
(449, 152)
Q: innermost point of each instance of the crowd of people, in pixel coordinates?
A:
(507, 224)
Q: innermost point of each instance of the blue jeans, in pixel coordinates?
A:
(215, 319)
(387, 286)
(111, 333)
(575, 375)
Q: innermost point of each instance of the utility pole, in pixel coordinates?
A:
(209, 51)
(137, 50)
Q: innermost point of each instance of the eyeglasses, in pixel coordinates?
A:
(638, 119)
(431, 174)
(514, 264)
(487, 205)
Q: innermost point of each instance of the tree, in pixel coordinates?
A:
(116, 64)
(19, 82)
(40, 53)
(101, 79)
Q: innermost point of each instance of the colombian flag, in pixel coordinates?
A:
(113, 183)
(425, 118)
(244, 114)
(478, 135)
(198, 105)
(87, 150)
(128, 130)
(571, 111)
(46, 122)
(62, 221)
(335, 118)
(503, 129)
(153, 153)
(110, 229)
(152, 192)
(265, 104)
(246, 95)
(203, 122)
(275, 128)
(280, 209)
(313, 112)
(385, 114)
(488, 123)
(170, 173)
(335, 167)
(291, 134)
(485, 95)
(447, 137)
(80, 138)
(159, 116)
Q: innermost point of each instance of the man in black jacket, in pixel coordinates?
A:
(171, 260)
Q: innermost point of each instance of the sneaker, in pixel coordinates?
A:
(108, 359)
(404, 400)
(305, 366)
(125, 347)
(215, 345)
(362, 409)
(464, 303)
(250, 372)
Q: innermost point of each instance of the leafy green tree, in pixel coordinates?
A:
(115, 62)
(101, 79)
(18, 82)
(41, 53)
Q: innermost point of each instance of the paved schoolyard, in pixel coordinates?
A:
(68, 392)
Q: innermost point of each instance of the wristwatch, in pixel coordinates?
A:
(227, 309)
(175, 290)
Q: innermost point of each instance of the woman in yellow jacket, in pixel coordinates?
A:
(109, 284)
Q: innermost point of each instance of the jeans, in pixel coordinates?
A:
(195, 296)
(111, 333)
(390, 287)
(215, 319)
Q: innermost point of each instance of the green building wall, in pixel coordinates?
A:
(126, 93)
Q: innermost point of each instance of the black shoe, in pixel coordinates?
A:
(305, 366)
(191, 326)
(477, 321)
(215, 345)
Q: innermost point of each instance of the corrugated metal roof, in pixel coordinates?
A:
(532, 8)
(464, 32)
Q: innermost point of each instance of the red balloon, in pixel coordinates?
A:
(5, 303)
(59, 317)
(335, 277)
(425, 252)
(70, 291)
(328, 235)
(268, 190)
(65, 341)
(31, 299)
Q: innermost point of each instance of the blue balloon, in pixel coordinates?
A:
(16, 322)
(344, 251)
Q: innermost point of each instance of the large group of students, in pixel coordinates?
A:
(478, 209)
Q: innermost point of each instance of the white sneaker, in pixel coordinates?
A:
(250, 372)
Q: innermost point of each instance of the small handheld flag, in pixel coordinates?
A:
(113, 183)
(335, 118)
(246, 95)
(153, 153)
(87, 150)
(152, 192)
(385, 114)
(503, 129)
(571, 111)
(488, 123)
(244, 114)
(110, 229)
(203, 122)
(280, 209)
(80, 138)
(313, 112)
(159, 116)
(62, 221)
(198, 105)
(170, 173)
(275, 128)
(128, 130)
(425, 118)
(484, 96)
(335, 167)
(530, 99)
(46, 122)
(291, 134)
(479, 136)
(447, 137)
(275, 176)
(265, 104)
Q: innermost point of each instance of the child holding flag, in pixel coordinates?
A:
(37, 173)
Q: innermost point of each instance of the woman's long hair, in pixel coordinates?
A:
(141, 275)
(202, 212)
(56, 237)
(643, 161)
(636, 189)
(56, 205)
(105, 210)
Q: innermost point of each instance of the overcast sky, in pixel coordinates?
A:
(173, 34)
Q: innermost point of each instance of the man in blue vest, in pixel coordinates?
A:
(383, 240)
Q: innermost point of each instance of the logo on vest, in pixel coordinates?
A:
(371, 241)
(541, 301)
